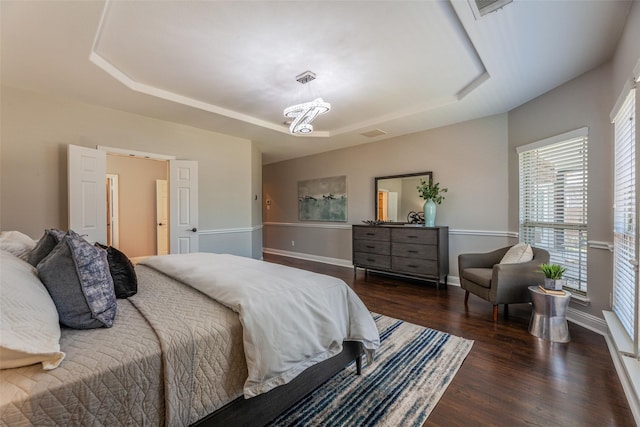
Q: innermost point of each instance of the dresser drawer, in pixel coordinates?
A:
(423, 236)
(415, 266)
(372, 246)
(372, 233)
(363, 259)
(412, 250)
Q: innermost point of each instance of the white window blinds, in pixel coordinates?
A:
(625, 233)
(553, 202)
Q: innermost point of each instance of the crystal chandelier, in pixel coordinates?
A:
(303, 114)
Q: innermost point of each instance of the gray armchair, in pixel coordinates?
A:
(484, 276)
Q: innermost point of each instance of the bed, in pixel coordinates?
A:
(173, 356)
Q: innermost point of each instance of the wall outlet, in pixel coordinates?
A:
(293, 243)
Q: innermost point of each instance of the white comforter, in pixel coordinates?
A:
(291, 318)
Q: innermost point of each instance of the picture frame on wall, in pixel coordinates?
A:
(323, 199)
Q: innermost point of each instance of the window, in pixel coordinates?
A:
(553, 202)
(625, 232)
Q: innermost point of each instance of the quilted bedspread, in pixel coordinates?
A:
(291, 318)
(173, 356)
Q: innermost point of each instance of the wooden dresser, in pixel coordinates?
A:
(421, 252)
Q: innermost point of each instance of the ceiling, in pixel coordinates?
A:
(230, 66)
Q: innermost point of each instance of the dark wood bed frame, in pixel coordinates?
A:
(261, 409)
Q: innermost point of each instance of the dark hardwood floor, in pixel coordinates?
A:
(510, 378)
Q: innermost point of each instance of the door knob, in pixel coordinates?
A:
(160, 224)
(194, 229)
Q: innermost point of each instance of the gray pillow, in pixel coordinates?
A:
(76, 274)
(47, 242)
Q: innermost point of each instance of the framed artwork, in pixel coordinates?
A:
(323, 199)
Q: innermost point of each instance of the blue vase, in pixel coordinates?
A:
(429, 209)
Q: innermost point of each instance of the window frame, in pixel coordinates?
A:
(541, 198)
(625, 259)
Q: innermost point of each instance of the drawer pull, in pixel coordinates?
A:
(412, 237)
(371, 234)
(412, 266)
(371, 247)
(412, 252)
(371, 260)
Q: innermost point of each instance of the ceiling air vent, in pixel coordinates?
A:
(482, 7)
(373, 133)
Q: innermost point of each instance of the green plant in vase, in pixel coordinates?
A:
(432, 194)
(553, 276)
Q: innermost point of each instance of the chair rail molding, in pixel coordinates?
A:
(595, 244)
(230, 230)
(460, 232)
(308, 225)
(488, 233)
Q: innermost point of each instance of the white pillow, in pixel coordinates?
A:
(518, 253)
(16, 243)
(29, 327)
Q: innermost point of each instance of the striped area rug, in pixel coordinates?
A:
(411, 371)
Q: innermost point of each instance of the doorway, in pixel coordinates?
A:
(86, 174)
(137, 200)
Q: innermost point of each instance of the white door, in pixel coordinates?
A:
(393, 205)
(162, 217)
(87, 169)
(113, 219)
(183, 182)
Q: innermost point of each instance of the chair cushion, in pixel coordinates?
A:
(518, 253)
(479, 276)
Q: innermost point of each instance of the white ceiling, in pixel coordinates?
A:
(230, 66)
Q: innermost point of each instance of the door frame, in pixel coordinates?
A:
(85, 207)
(113, 222)
(141, 155)
(134, 153)
(170, 159)
(162, 204)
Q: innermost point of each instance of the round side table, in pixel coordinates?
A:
(549, 317)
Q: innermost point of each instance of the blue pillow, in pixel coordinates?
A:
(76, 274)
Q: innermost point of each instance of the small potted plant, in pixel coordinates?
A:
(553, 276)
(431, 193)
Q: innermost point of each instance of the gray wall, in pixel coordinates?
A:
(584, 101)
(477, 161)
(470, 159)
(35, 131)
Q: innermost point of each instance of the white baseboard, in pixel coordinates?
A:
(453, 280)
(310, 257)
(588, 321)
